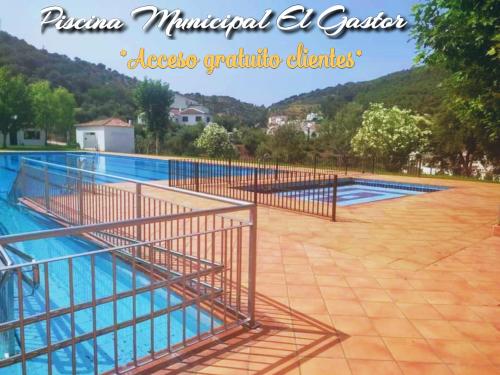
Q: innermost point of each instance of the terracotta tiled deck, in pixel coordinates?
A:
(404, 286)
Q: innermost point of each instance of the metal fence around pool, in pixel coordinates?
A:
(294, 189)
(157, 276)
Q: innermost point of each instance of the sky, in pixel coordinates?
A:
(383, 52)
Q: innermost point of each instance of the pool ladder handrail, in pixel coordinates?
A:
(5, 261)
(33, 282)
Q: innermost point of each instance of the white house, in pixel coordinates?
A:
(185, 111)
(183, 102)
(278, 120)
(25, 137)
(111, 134)
(191, 116)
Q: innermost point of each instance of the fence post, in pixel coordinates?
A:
(373, 165)
(252, 267)
(46, 179)
(138, 214)
(80, 196)
(22, 172)
(197, 176)
(230, 172)
(255, 171)
(334, 198)
(169, 171)
(276, 170)
(345, 162)
(315, 162)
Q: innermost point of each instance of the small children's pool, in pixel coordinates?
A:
(357, 191)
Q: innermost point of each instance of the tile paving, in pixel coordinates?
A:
(406, 286)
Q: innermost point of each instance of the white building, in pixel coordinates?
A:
(191, 116)
(25, 137)
(314, 117)
(111, 134)
(183, 102)
(185, 111)
(278, 120)
(310, 128)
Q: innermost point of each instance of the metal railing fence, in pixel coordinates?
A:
(271, 185)
(162, 276)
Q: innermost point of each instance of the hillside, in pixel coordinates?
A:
(103, 92)
(226, 106)
(417, 89)
(100, 91)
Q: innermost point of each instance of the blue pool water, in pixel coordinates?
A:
(357, 191)
(17, 219)
(142, 169)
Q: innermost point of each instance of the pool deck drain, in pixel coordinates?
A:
(402, 286)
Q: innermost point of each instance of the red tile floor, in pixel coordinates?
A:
(404, 286)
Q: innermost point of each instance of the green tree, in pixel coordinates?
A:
(181, 141)
(15, 104)
(214, 142)
(45, 109)
(65, 112)
(288, 144)
(391, 133)
(336, 133)
(464, 37)
(154, 98)
(251, 138)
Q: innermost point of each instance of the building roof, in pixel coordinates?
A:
(112, 122)
(192, 111)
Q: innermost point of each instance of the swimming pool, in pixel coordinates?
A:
(17, 219)
(356, 191)
(136, 168)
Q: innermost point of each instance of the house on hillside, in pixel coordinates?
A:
(25, 137)
(185, 111)
(278, 120)
(110, 134)
(309, 125)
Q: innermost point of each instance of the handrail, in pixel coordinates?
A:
(5, 258)
(34, 282)
(202, 257)
(121, 247)
(61, 232)
(145, 183)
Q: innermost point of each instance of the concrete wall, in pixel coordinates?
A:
(192, 119)
(109, 138)
(120, 139)
(26, 142)
(99, 132)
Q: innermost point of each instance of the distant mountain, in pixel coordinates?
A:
(100, 91)
(417, 89)
(103, 92)
(229, 107)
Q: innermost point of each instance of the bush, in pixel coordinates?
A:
(214, 142)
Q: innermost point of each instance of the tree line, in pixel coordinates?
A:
(35, 105)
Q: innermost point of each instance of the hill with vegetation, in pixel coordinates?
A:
(416, 89)
(100, 91)
(227, 108)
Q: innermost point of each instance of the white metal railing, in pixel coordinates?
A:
(190, 271)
